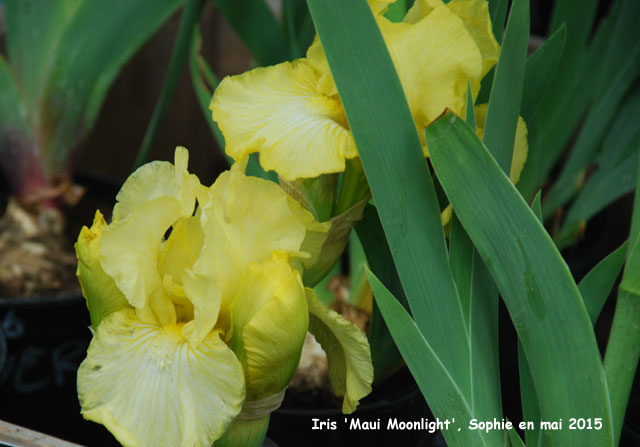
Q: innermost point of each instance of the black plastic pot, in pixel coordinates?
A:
(399, 397)
(44, 339)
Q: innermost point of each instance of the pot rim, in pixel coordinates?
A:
(40, 301)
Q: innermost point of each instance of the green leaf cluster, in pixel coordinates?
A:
(62, 58)
(446, 331)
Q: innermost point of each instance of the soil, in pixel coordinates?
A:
(37, 257)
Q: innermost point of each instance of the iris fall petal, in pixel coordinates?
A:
(347, 348)
(167, 392)
(280, 112)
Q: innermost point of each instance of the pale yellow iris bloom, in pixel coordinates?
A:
(291, 112)
(197, 305)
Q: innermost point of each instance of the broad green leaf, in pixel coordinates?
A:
(623, 353)
(461, 262)
(258, 28)
(631, 278)
(515, 438)
(543, 300)
(359, 291)
(530, 407)
(596, 286)
(619, 46)
(593, 130)
(13, 114)
(479, 300)
(431, 374)
(34, 28)
(471, 111)
(498, 12)
(539, 71)
(384, 353)
(623, 348)
(601, 189)
(188, 22)
(506, 94)
(563, 106)
(615, 66)
(618, 143)
(16, 141)
(498, 16)
(635, 219)
(86, 62)
(391, 154)
(578, 16)
(298, 26)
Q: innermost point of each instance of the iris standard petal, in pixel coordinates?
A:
(476, 19)
(279, 112)
(270, 322)
(348, 352)
(434, 57)
(159, 179)
(98, 288)
(129, 254)
(179, 252)
(245, 219)
(150, 387)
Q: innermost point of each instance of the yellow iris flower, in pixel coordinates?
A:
(197, 305)
(291, 112)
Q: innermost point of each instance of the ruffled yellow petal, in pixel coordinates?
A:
(279, 112)
(159, 179)
(270, 322)
(317, 59)
(347, 348)
(434, 57)
(476, 19)
(129, 253)
(244, 220)
(98, 288)
(520, 146)
(150, 387)
(179, 253)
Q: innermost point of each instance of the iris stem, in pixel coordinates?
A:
(623, 352)
(623, 349)
(245, 432)
(354, 186)
(188, 21)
